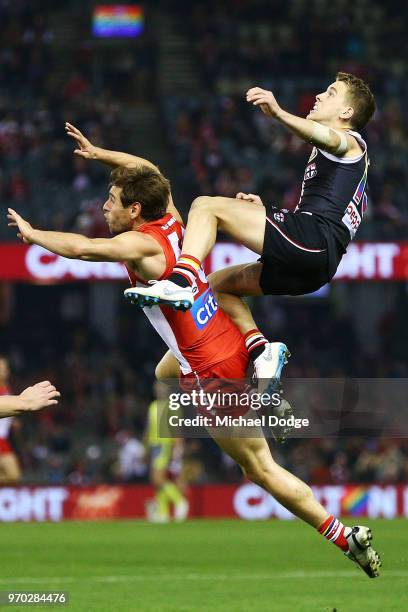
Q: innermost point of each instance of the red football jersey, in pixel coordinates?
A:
(5, 423)
(202, 336)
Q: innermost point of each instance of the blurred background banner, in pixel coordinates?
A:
(166, 80)
(375, 261)
(246, 501)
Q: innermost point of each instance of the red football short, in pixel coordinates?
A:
(226, 377)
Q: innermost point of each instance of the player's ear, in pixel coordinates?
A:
(347, 113)
(135, 210)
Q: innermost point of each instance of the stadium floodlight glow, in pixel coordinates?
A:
(117, 21)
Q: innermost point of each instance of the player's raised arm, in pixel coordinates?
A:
(334, 140)
(33, 398)
(127, 246)
(114, 159)
(87, 150)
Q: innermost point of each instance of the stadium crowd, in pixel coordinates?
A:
(44, 84)
(219, 145)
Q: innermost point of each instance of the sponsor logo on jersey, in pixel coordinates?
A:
(352, 219)
(310, 171)
(204, 308)
(280, 217)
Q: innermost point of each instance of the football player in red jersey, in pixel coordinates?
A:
(207, 344)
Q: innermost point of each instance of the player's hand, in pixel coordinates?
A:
(85, 148)
(39, 396)
(25, 230)
(249, 197)
(265, 100)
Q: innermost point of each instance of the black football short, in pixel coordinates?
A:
(295, 256)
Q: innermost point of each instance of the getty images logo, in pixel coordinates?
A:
(204, 308)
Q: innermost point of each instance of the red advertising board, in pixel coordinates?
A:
(246, 501)
(30, 263)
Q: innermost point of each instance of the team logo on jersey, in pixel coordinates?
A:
(280, 217)
(310, 171)
(203, 309)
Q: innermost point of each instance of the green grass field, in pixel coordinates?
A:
(201, 566)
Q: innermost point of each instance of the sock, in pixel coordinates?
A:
(163, 506)
(333, 530)
(185, 271)
(255, 343)
(173, 493)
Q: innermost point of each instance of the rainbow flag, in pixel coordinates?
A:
(354, 500)
(117, 20)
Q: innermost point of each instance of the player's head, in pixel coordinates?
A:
(136, 195)
(4, 370)
(347, 102)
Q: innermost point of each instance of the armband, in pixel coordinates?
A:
(321, 133)
(342, 148)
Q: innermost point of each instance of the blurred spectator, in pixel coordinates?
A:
(131, 458)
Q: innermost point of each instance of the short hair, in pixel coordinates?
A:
(361, 99)
(144, 185)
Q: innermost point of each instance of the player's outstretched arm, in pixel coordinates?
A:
(336, 142)
(129, 246)
(87, 150)
(33, 398)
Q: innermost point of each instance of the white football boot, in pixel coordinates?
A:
(161, 292)
(361, 552)
(268, 366)
(268, 370)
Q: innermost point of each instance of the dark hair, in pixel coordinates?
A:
(144, 185)
(361, 99)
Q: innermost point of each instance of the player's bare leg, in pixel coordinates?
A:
(168, 368)
(10, 472)
(254, 457)
(242, 220)
(240, 280)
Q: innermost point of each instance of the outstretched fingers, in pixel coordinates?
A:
(12, 217)
(72, 130)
